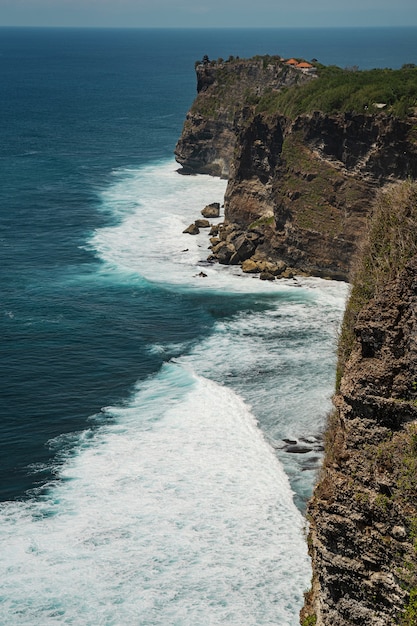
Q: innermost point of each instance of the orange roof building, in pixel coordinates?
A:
(292, 62)
(304, 65)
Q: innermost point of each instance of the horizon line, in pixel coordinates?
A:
(102, 27)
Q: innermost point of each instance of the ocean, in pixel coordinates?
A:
(146, 474)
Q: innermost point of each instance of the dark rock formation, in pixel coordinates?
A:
(211, 210)
(363, 516)
(305, 184)
(308, 184)
(202, 223)
(192, 229)
(225, 90)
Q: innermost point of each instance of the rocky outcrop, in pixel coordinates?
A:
(300, 198)
(309, 183)
(363, 516)
(304, 184)
(225, 89)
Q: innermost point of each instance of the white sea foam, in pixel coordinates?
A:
(281, 360)
(154, 205)
(178, 513)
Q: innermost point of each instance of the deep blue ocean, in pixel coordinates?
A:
(144, 474)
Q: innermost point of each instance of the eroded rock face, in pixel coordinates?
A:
(310, 183)
(225, 91)
(307, 184)
(361, 515)
(206, 146)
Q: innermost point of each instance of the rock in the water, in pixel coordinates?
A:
(234, 259)
(266, 276)
(297, 449)
(192, 229)
(244, 247)
(202, 223)
(211, 210)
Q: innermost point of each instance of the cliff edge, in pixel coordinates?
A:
(363, 515)
(300, 181)
(320, 169)
(225, 89)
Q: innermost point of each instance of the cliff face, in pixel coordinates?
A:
(224, 89)
(363, 516)
(301, 193)
(313, 180)
(304, 185)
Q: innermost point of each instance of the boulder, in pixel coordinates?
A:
(244, 247)
(202, 223)
(227, 232)
(224, 253)
(192, 229)
(276, 268)
(250, 267)
(211, 210)
(234, 259)
(280, 267)
(266, 276)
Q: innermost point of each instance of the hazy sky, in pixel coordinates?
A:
(195, 13)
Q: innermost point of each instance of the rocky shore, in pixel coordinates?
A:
(231, 245)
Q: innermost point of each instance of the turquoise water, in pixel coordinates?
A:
(144, 476)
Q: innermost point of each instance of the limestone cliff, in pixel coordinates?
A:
(303, 184)
(302, 192)
(313, 180)
(363, 516)
(224, 90)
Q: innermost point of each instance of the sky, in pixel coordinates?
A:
(212, 13)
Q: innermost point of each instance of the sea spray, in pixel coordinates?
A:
(176, 511)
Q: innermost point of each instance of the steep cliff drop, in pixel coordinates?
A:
(363, 516)
(320, 192)
(300, 187)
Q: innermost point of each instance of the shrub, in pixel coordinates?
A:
(336, 90)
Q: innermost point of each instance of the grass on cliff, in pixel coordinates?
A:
(340, 90)
(391, 242)
(389, 458)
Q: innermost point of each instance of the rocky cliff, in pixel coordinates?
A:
(224, 90)
(321, 193)
(303, 185)
(363, 516)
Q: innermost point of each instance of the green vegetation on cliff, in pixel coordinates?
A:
(391, 242)
(337, 90)
(225, 88)
(366, 499)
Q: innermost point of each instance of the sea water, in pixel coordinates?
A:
(148, 398)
